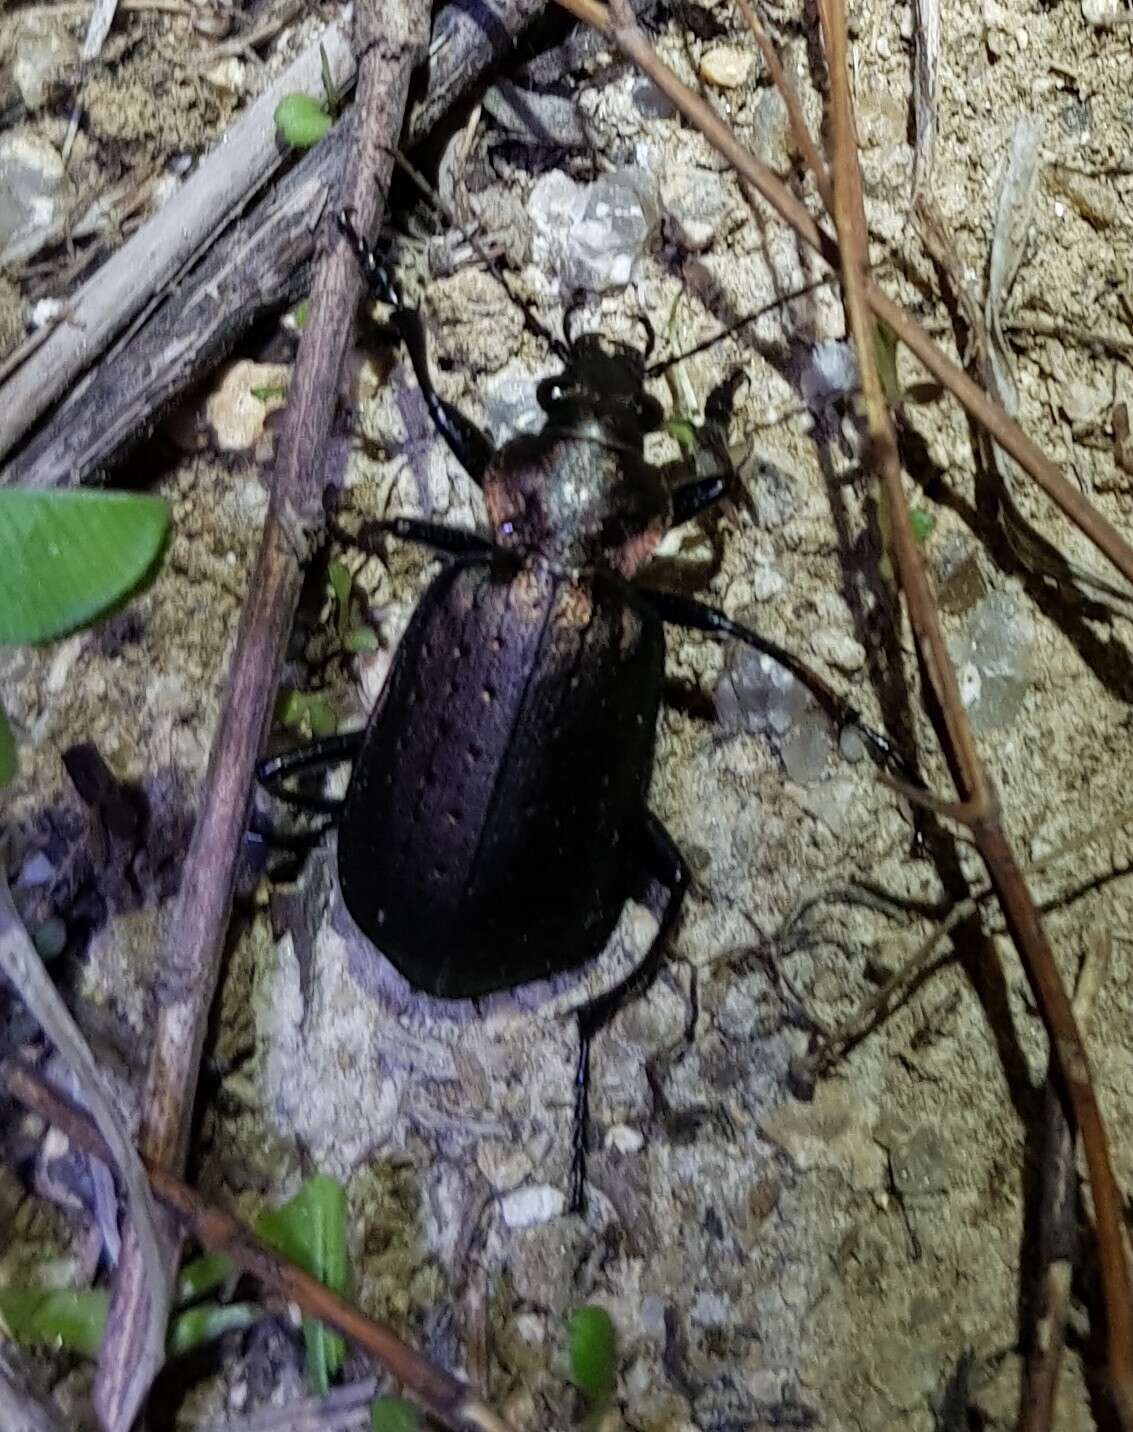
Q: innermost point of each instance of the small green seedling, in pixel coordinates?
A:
(311, 1231)
(267, 391)
(593, 1350)
(74, 1319)
(393, 1414)
(305, 712)
(301, 121)
(66, 559)
(353, 636)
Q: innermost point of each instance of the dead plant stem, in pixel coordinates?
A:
(454, 1402)
(971, 778)
(978, 800)
(633, 42)
(389, 40)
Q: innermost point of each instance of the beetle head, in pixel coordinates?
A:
(602, 381)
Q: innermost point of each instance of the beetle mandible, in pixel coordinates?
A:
(497, 818)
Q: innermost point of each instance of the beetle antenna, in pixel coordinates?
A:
(657, 368)
(531, 323)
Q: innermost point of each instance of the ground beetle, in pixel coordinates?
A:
(496, 819)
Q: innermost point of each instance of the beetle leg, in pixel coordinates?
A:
(456, 541)
(471, 446)
(272, 771)
(687, 612)
(665, 864)
(704, 478)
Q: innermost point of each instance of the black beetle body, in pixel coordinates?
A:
(496, 819)
(489, 835)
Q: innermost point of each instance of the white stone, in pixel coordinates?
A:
(726, 66)
(530, 1206)
(238, 409)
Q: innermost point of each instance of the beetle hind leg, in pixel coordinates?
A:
(664, 862)
(273, 771)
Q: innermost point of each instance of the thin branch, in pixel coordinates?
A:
(636, 46)
(1058, 1219)
(20, 962)
(972, 781)
(254, 266)
(151, 259)
(189, 961)
(454, 1402)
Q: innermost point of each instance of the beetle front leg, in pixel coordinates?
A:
(696, 616)
(664, 862)
(454, 541)
(702, 480)
(470, 444)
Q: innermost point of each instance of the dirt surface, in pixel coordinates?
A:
(770, 1260)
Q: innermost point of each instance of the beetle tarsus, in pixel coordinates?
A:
(697, 616)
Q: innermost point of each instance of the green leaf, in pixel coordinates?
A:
(202, 1275)
(393, 1414)
(301, 121)
(885, 350)
(54, 1317)
(300, 313)
(206, 1323)
(7, 750)
(593, 1349)
(341, 582)
(922, 524)
(311, 1230)
(296, 709)
(683, 431)
(361, 638)
(338, 574)
(321, 716)
(267, 391)
(65, 557)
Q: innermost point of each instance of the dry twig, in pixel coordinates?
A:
(978, 798)
(633, 42)
(1058, 1218)
(978, 805)
(454, 1402)
(24, 969)
(151, 259)
(253, 267)
(189, 961)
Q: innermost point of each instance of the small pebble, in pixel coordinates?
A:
(726, 66)
(530, 1206)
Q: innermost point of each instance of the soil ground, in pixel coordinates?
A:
(769, 1260)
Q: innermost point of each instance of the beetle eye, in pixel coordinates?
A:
(551, 391)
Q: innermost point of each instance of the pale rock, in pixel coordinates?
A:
(46, 56)
(528, 1207)
(726, 66)
(238, 409)
(32, 178)
(838, 649)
